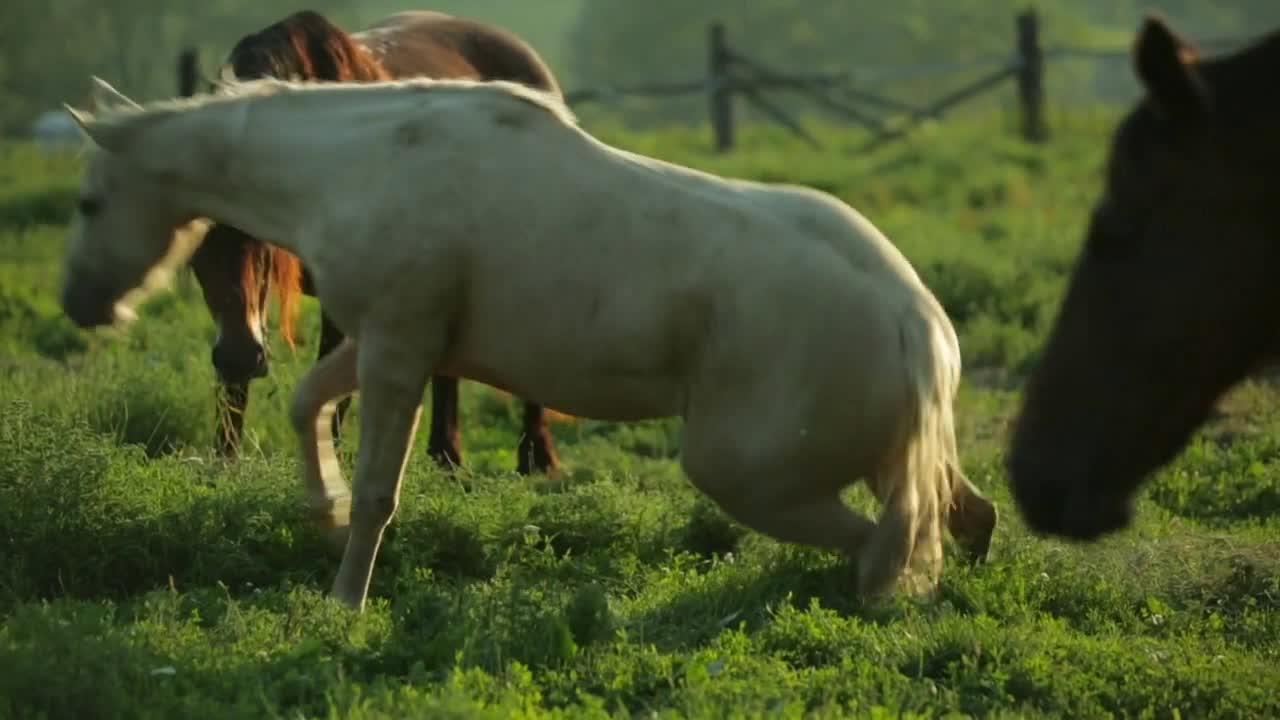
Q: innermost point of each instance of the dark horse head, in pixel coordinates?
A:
(236, 270)
(1175, 295)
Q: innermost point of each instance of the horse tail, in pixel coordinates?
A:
(286, 283)
(931, 353)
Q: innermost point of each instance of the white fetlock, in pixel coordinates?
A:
(333, 516)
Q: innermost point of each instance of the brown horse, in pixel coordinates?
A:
(1174, 296)
(237, 272)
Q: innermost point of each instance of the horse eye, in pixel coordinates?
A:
(88, 207)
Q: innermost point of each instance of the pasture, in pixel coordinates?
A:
(142, 576)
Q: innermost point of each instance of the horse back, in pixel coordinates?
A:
(436, 45)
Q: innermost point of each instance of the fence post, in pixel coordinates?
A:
(187, 73)
(719, 89)
(1031, 76)
(188, 76)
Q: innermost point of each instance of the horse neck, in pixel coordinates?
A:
(253, 182)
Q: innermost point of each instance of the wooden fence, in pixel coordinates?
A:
(731, 75)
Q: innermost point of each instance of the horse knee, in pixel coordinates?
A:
(374, 508)
(302, 411)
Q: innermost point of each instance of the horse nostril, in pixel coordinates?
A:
(239, 365)
(85, 305)
(1036, 490)
(260, 364)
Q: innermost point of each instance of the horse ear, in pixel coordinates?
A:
(106, 97)
(82, 118)
(1163, 62)
(112, 133)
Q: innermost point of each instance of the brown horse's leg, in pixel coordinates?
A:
(536, 451)
(444, 441)
(232, 404)
(330, 338)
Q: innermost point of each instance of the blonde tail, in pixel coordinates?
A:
(916, 486)
(933, 455)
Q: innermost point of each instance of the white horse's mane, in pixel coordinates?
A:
(239, 90)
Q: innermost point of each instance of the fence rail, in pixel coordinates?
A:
(731, 75)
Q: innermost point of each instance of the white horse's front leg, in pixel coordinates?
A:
(314, 402)
(392, 375)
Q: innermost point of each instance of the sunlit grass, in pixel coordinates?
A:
(142, 576)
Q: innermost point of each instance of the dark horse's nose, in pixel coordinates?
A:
(239, 364)
(1063, 500)
(87, 303)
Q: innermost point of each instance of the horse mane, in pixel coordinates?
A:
(281, 270)
(545, 100)
(304, 46)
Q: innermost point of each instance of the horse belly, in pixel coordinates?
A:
(574, 392)
(601, 374)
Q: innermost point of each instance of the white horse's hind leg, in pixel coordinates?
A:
(769, 501)
(925, 562)
(823, 522)
(314, 402)
(392, 380)
(889, 551)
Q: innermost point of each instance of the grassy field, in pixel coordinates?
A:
(142, 577)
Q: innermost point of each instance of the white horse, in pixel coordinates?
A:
(799, 346)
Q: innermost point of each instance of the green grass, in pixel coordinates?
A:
(141, 576)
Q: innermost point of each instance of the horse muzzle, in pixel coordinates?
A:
(1064, 501)
(89, 304)
(239, 364)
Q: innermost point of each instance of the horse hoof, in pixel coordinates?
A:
(446, 460)
(537, 461)
(873, 586)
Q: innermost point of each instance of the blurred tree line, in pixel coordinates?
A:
(902, 47)
(48, 48)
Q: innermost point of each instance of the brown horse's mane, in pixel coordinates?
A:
(282, 270)
(303, 46)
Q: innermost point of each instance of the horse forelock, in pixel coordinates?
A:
(270, 268)
(286, 281)
(304, 46)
